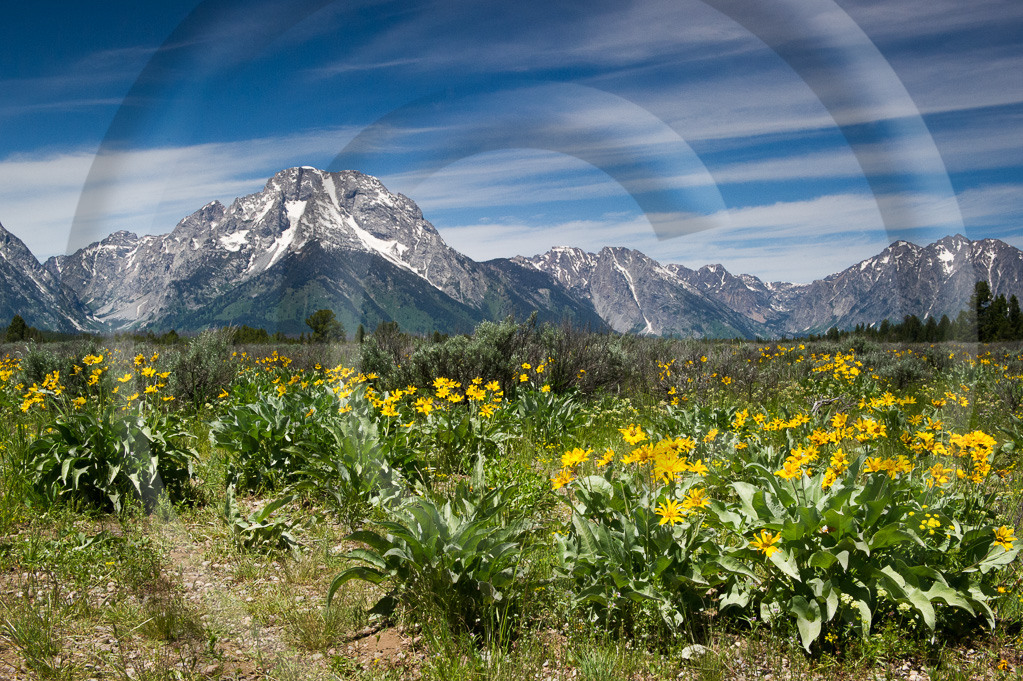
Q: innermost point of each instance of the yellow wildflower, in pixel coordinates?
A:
(669, 512)
(562, 479)
(697, 498)
(765, 543)
(633, 434)
(1004, 537)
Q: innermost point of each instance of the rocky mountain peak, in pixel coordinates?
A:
(342, 240)
(12, 248)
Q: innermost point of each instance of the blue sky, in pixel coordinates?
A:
(787, 139)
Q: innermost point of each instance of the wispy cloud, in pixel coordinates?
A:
(97, 79)
(916, 19)
(144, 191)
(795, 241)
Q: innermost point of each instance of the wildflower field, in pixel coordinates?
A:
(522, 503)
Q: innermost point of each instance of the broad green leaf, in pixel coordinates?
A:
(784, 561)
(373, 559)
(736, 596)
(922, 604)
(746, 493)
(949, 595)
(265, 512)
(822, 559)
(996, 557)
(839, 524)
(660, 564)
(808, 619)
(865, 614)
(733, 566)
(890, 535)
(363, 573)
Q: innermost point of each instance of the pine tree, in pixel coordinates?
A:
(1015, 319)
(944, 329)
(17, 330)
(980, 305)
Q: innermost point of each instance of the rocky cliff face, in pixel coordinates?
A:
(338, 240)
(29, 290)
(906, 279)
(633, 293)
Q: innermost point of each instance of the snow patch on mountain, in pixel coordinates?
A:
(234, 242)
(282, 243)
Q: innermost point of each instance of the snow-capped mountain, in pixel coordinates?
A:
(29, 290)
(906, 279)
(313, 239)
(903, 279)
(309, 239)
(634, 293)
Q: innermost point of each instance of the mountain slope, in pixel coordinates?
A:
(29, 290)
(906, 279)
(309, 239)
(312, 239)
(634, 293)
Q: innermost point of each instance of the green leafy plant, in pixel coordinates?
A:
(460, 559)
(101, 457)
(258, 532)
(350, 467)
(457, 436)
(550, 417)
(269, 439)
(866, 544)
(623, 560)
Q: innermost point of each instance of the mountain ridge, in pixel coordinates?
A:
(312, 238)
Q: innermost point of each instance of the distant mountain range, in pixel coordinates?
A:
(313, 239)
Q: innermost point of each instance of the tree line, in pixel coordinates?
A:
(986, 319)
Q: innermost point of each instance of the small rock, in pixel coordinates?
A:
(693, 651)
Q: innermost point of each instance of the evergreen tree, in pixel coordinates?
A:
(980, 305)
(998, 319)
(1015, 319)
(944, 329)
(912, 329)
(17, 330)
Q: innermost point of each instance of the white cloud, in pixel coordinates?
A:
(994, 205)
(887, 20)
(796, 241)
(144, 191)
